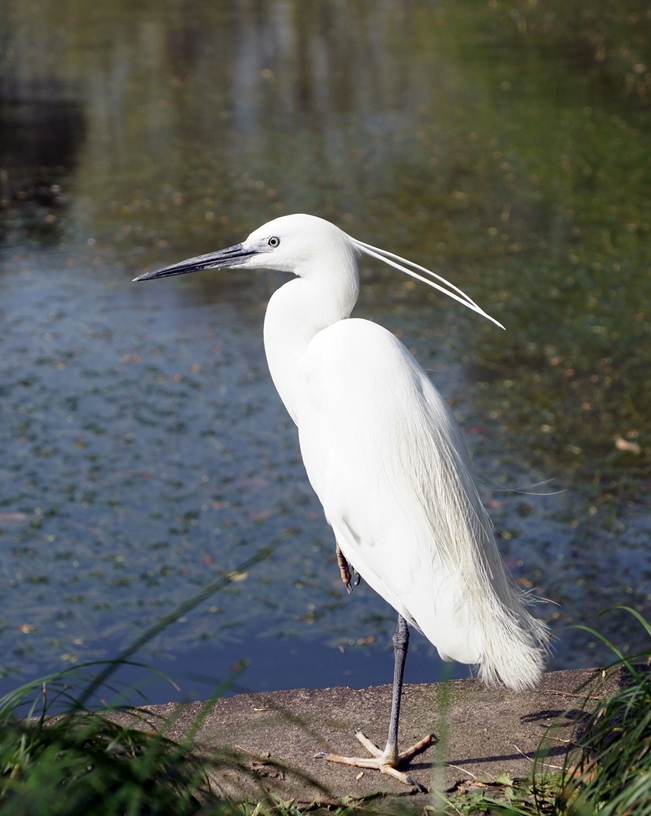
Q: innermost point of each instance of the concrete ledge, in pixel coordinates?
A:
(480, 731)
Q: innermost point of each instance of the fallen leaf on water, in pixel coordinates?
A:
(259, 515)
(237, 576)
(13, 517)
(625, 445)
(256, 481)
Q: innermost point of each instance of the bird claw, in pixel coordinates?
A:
(344, 570)
(381, 760)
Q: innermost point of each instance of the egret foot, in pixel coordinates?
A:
(387, 761)
(344, 570)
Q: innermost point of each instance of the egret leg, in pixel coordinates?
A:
(389, 760)
(400, 648)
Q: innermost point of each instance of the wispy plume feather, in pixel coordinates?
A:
(409, 268)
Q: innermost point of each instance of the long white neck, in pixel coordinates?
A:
(322, 295)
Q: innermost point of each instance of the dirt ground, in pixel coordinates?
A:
(269, 740)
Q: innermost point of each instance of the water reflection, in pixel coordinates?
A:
(41, 133)
(144, 449)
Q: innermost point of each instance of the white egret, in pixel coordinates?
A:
(387, 460)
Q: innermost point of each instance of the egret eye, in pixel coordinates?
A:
(273, 242)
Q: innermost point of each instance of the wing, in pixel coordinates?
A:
(389, 464)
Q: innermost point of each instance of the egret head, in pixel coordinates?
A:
(300, 243)
(290, 243)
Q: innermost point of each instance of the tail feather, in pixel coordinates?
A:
(515, 650)
(513, 642)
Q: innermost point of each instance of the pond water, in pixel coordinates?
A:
(145, 453)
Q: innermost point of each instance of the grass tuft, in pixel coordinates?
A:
(612, 772)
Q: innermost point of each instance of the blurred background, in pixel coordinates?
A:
(144, 452)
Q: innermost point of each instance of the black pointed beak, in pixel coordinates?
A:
(233, 256)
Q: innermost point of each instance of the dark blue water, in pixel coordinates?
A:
(144, 452)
